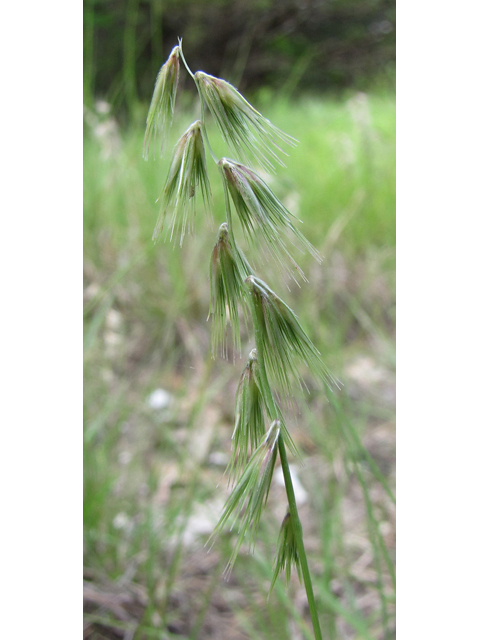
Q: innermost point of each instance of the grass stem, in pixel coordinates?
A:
(297, 527)
(292, 504)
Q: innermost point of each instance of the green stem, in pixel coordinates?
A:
(183, 58)
(297, 528)
(292, 504)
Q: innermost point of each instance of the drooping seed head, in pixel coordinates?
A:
(252, 137)
(188, 171)
(247, 500)
(249, 417)
(228, 268)
(162, 105)
(261, 213)
(287, 552)
(283, 342)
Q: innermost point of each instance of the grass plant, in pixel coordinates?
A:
(149, 471)
(279, 336)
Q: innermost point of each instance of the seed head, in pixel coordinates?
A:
(245, 503)
(249, 418)
(250, 410)
(160, 112)
(228, 269)
(287, 552)
(261, 212)
(188, 171)
(244, 129)
(283, 341)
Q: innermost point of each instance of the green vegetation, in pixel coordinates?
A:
(151, 474)
(283, 44)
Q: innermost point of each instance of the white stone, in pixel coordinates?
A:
(159, 399)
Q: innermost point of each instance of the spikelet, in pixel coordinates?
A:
(287, 553)
(162, 105)
(261, 212)
(283, 342)
(251, 408)
(247, 500)
(188, 172)
(228, 270)
(253, 138)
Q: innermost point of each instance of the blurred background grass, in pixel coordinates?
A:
(158, 409)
